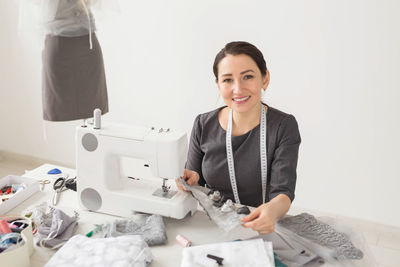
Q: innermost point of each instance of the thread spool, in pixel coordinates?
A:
(183, 241)
(4, 228)
(97, 118)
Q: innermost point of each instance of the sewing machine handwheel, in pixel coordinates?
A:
(89, 142)
(91, 199)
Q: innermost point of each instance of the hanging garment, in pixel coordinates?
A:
(73, 82)
(73, 79)
(68, 18)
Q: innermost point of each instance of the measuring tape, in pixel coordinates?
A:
(263, 155)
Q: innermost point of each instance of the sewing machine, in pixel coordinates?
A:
(119, 169)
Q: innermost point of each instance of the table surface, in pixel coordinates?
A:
(197, 228)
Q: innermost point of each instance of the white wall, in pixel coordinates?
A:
(334, 65)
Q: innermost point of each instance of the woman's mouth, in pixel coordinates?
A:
(240, 100)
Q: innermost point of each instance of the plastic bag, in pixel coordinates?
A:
(57, 17)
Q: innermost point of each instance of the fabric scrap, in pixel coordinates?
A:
(122, 251)
(151, 227)
(226, 221)
(307, 226)
(54, 227)
(254, 253)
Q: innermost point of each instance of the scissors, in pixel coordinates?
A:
(60, 186)
(43, 184)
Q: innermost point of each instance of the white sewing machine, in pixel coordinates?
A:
(103, 155)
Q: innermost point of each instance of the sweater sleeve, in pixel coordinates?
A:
(195, 154)
(284, 163)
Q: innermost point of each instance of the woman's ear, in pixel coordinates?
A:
(266, 80)
(217, 83)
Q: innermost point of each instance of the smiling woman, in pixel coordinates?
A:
(246, 150)
(240, 82)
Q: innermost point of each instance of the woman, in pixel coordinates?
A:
(227, 146)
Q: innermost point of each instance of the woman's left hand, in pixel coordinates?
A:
(262, 219)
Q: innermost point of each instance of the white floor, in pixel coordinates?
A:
(383, 240)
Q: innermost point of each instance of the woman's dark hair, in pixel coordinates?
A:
(240, 48)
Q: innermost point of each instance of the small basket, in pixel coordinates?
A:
(19, 257)
(32, 186)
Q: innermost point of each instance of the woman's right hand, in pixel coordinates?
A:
(191, 178)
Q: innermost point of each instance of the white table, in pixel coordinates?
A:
(197, 228)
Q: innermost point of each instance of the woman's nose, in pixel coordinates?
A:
(237, 87)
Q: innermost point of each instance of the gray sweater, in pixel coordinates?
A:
(207, 156)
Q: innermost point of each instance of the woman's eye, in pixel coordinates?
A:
(227, 80)
(247, 77)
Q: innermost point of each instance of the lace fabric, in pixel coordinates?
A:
(307, 226)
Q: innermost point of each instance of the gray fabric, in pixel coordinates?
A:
(207, 156)
(151, 228)
(226, 221)
(290, 252)
(54, 233)
(307, 226)
(74, 82)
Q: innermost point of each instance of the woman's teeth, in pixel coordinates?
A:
(241, 99)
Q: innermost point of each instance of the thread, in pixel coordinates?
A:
(4, 228)
(183, 241)
(97, 118)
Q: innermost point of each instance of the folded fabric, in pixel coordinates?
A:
(151, 227)
(290, 252)
(250, 253)
(123, 251)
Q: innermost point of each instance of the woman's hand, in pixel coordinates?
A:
(191, 178)
(263, 218)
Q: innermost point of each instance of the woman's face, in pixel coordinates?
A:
(240, 82)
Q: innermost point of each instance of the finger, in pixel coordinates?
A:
(265, 229)
(185, 174)
(191, 181)
(262, 227)
(257, 223)
(247, 225)
(253, 215)
(179, 185)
